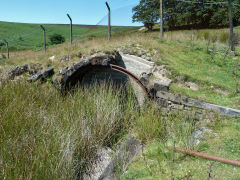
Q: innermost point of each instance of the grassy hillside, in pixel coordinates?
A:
(47, 131)
(183, 53)
(30, 36)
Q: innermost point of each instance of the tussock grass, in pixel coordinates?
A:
(46, 136)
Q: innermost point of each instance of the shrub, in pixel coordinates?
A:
(2, 44)
(56, 39)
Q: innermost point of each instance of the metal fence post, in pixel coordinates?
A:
(7, 48)
(109, 21)
(70, 27)
(161, 18)
(44, 37)
(231, 25)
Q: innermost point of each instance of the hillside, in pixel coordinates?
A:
(29, 36)
(39, 126)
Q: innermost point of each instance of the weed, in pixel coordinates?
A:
(210, 176)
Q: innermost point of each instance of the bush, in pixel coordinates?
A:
(2, 44)
(56, 39)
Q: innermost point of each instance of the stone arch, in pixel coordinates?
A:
(109, 62)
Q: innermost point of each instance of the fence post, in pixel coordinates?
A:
(7, 48)
(231, 25)
(161, 18)
(44, 37)
(70, 27)
(109, 21)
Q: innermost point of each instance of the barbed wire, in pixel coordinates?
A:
(19, 36)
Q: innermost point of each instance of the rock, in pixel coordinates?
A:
(178, 99)
(149, 59)
(75, 74)
(161, 70)
(161, 80)
(63, 71)
(42, 76)
(192, 86)
(34, 68)
(130, 149)
(101, 161)
(144, 78)
(48, 73)
(65, 58)
(162, 85)
(53, 58)
(57, 82)
(17, 71)
(35, 77)
(198, 134)
(162, 102)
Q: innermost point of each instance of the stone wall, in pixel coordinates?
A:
(170, 101)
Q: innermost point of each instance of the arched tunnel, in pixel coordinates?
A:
(108, 68)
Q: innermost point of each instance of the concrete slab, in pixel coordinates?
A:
(137, 65)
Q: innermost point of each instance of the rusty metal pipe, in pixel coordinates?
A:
(206, 156)
(128, 73)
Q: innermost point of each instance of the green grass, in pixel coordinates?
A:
(30, 36)
(157, 161)
(197, 66)
(43, 135)
(190, 62)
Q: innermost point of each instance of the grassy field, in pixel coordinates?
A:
(46, 136)
(30, 36)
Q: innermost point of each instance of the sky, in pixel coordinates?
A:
(54, 11)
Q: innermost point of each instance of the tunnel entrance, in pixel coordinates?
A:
(108, 68)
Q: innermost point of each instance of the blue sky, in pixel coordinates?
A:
(54, 11)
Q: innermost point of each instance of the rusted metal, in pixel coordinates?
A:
(128, 73)
(207, 156)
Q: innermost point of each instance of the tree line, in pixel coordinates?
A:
(194, 14)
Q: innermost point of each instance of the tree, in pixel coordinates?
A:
(57, 39)
(147, 13)
(194, 14)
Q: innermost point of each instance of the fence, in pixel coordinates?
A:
(27, 41)
(36, 36)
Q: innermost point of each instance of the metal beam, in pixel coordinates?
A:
(44, 38)
(109, 21)
(70, 27)
(161, 18)
(5, 41)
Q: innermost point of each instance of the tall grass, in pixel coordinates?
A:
(46, 136)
